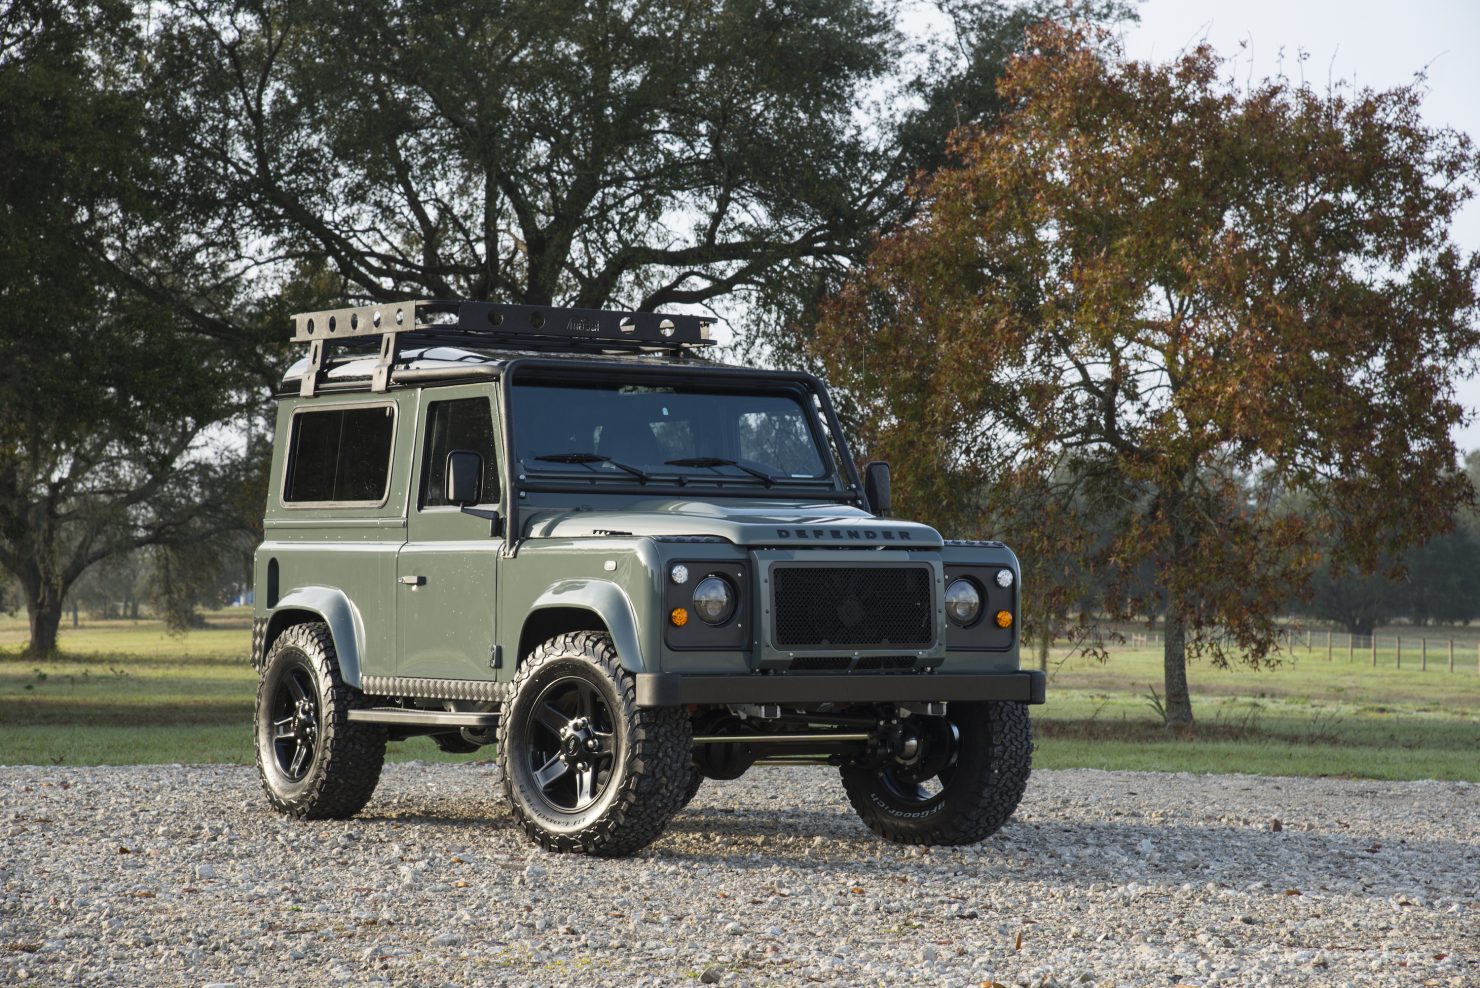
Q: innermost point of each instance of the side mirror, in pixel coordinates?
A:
(876, 486)
(464, 477)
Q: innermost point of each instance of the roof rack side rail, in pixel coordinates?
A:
(487, 325)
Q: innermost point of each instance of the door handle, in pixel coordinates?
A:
(413, 581)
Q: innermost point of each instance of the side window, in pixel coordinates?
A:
(340, 455)
(465, 424)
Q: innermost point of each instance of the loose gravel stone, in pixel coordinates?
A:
(168, 875)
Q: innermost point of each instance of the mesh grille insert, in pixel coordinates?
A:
(853, 606)
(884, 663)
(821, 663)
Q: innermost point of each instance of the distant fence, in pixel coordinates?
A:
(1399, 651)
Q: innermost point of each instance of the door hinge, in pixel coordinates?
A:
(496, 657)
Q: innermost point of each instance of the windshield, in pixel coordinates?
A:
(642, 432)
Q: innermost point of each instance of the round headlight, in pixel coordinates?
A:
(679, 574)
(963, 602)
(1004, 578)
(714, 601)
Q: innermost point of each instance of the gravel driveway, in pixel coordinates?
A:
(181, 875)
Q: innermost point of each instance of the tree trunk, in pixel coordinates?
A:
(75, 620)
(45, 614)
(1043, 639)
(1178, 702)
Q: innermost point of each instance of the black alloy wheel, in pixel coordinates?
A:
(919, 774)
(314, 762)
(585, 768)
(946, 780)
(571, 744)
(295, 723)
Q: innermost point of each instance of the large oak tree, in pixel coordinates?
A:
(621, 153)
(106, 399)
(1153, 297)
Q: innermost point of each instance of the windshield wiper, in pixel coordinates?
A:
(589, 458)
(718, 461)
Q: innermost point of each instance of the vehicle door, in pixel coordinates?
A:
(448, 568)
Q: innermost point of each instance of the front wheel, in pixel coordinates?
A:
(948, 780)
(584, 767)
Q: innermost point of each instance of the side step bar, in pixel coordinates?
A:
(423, 718)
(778, 738)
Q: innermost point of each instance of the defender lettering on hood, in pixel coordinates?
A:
(837, 534)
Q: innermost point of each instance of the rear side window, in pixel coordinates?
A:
(464, 424)
(340, 455)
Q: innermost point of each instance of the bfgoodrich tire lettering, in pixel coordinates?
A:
(586, 769)
(976, 791)
(313, 761)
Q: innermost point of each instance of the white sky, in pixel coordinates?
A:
(1370, 43)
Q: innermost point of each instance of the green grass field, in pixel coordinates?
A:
(127, 692)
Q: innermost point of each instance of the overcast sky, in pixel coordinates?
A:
(1372, 44)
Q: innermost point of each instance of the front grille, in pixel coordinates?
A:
(853, 606)
(885, 663)
(844, 663)
(821, 663)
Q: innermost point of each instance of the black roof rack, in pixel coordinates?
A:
(390, 326)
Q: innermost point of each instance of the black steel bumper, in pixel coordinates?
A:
(667, 689)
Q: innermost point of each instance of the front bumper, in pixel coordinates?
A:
(676, 689)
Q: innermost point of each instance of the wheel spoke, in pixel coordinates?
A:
(569, 743)
(299, 757)
(551, 719)
(282, 729)
(585, 785)
(550, 771)
(296, 688)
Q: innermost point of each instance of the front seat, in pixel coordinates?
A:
(634, 445)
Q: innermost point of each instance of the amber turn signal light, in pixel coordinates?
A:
(679, 616)
(1004, 619)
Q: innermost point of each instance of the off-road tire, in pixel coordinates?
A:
(347, 756)
(993, 760)
(650, 761)
(696, 780)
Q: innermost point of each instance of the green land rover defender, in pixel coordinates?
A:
(566, 534)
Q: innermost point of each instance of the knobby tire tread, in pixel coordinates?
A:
(976, 812)
(347, 768)
(657, 760)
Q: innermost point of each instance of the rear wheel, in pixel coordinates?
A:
(948, 780)
(313, 761)
(584, 767)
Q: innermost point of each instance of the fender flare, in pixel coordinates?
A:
(610, 604)
(336, 610)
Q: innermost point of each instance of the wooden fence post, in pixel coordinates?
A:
(1423, 644)
(1451, 655)
(1351, 646)
(1400, 652)
(1374, 650)
(1328, 644)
